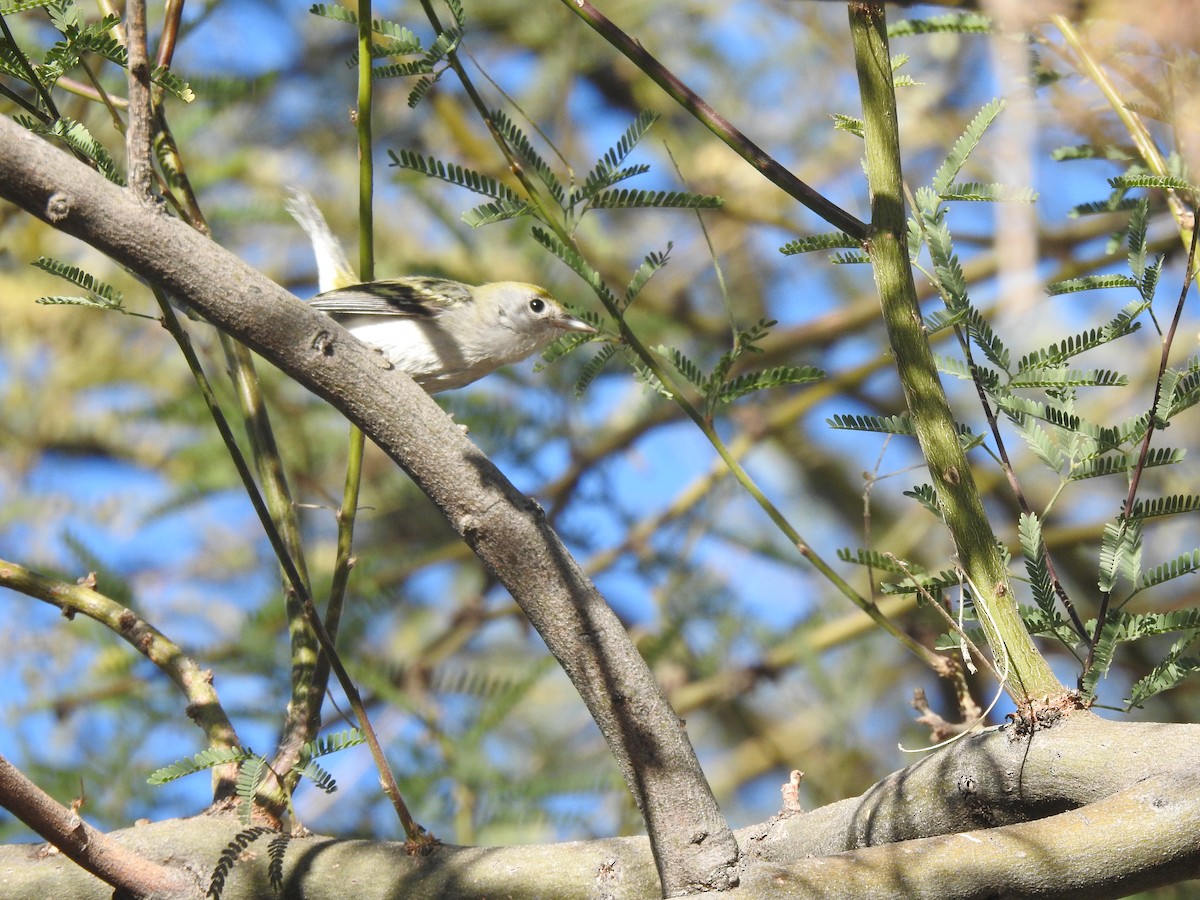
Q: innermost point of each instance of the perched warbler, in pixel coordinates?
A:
(444, 334)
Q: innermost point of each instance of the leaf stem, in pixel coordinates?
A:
(1135, 479)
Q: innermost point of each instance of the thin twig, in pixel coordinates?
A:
(137, 131)
(1136, 477)
(108, 859)
(112, 105)
(51, 114)
(870, 480)
(23, 103)
(776, 173)
(940, 667)
(172, 15)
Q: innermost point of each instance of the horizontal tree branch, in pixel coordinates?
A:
(1084, 808)
(1141, 837)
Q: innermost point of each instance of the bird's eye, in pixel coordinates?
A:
(538, 305)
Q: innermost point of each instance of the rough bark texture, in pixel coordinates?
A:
(1113, 808)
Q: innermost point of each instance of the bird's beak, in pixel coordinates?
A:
(570, 323)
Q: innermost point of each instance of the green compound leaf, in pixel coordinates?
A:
(965, 145)
(202, 761)
(636, 199)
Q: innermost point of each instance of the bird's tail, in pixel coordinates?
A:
(333, 269)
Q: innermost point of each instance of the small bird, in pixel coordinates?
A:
(444, 334)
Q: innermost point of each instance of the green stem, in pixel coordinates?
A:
(366, 159)
(348, 509)
(1029, 675)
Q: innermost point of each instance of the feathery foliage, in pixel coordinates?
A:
(100, 294)
(253, 768)
(610, 169)
(79, 38)
(76, 137)
(1123, 627)
(1165, 506)
(633, 199)
(1184, 564)
(1170, 672)
(1100, 466)
(901, 424)
(431, 63)
(229, 857)
(251, 774)
(944, 177)
(950, 23)
(1063, 351)
(572, 204)
(877, 560)
(830, 240)
(454, 174)
(926, 495)
(978, 192)
(1029, 530)
(202, 761)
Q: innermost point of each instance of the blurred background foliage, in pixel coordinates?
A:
(109, 462)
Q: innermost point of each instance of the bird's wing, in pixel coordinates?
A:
(422, 297)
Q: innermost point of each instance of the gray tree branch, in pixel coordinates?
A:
(1084, 808)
